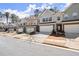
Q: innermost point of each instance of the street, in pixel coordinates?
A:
(12, 47)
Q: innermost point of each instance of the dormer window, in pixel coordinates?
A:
(50, 18)
(43, 19)
(58, 18)
(74, 14)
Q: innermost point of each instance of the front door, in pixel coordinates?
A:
(37, 28)
(59, 27)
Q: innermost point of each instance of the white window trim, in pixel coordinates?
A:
(74, 14)
(66, 16)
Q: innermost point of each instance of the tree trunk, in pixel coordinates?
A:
(7, 20)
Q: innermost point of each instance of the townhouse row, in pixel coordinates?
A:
(50, 22)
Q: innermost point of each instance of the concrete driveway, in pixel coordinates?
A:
(11, 47)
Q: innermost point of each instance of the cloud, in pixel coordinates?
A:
(68, 4)
(45, 5)
(21, 14)
(31, 7)
(60, 6)
(29, 11)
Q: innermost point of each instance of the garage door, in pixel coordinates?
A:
(30, 29)
(74, 28)
(46, 29)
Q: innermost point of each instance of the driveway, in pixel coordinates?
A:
(11, 47)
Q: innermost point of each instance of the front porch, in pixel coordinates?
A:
(58, 30)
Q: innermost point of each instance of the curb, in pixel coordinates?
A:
(61, 47)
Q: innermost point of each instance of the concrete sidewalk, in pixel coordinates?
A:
(63, 42)
(23, 37)
(55, 40)
(40, 37)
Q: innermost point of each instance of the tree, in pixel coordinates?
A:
(51, 9)
(55, 9)
(36, 12)
(0, 14)
(17, 19)
(14, 18)
(7, 15)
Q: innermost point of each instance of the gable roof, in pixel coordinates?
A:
(70, 6)
(31, 19)
(70, 10)
(44, 12)
(67, 7)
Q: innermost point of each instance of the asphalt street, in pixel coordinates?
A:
(12, 47)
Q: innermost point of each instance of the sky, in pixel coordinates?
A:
(26, 9)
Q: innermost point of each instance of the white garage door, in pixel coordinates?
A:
(20, 29)
(30, 30)
(46, 29)
(74, 28)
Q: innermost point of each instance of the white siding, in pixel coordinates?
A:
(73, 28)
(47, 14)
(46, 29)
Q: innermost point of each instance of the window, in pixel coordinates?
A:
(21, 24)
(66, 16)
(50, 18)
(46, 19)
(74, 14)
(24, 23)
(43, 19)
(0, 16)
(58, 18)
(34, 23)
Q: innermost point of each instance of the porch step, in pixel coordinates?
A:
(58, 34)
